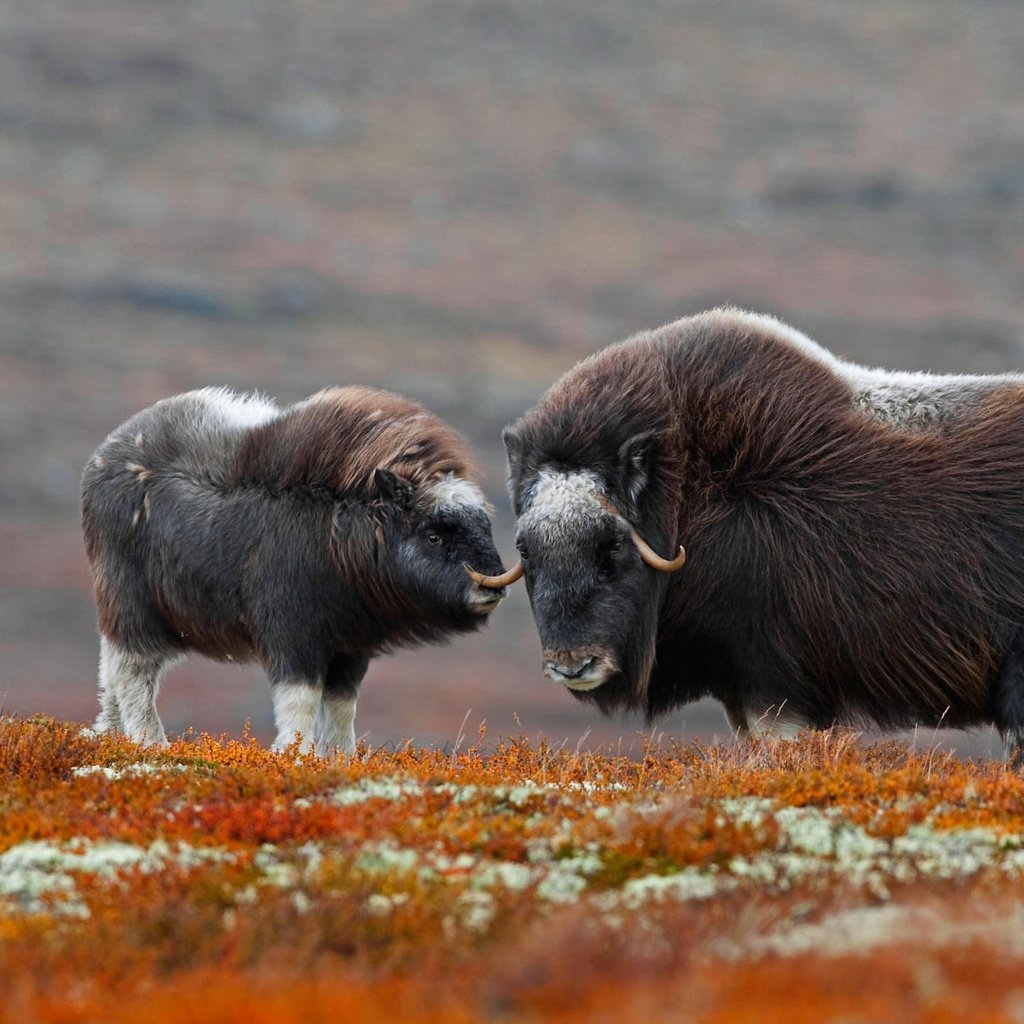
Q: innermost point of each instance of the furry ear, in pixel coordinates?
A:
(513, 449)
(393, 488)
(634, 466)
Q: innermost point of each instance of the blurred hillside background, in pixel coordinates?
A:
(457, 199)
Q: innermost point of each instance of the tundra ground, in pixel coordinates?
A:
(216, 881)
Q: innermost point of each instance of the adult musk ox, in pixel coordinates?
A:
(855, 537)
(311, 538)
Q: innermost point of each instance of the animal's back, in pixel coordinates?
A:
(178, 449)
(879, 516)
(193, 434)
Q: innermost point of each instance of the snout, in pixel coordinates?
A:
(578, 670)
(483, 600)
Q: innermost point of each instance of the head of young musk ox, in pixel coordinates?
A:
(854, 537)
(309, 538)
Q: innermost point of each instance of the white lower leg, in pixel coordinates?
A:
(336, 726)
(130, 686)
(737, 723)
(109, 718)
(296, 708)
(775, 723)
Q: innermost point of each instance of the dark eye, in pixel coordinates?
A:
(433, 538)
(616, 546)
(524, 551)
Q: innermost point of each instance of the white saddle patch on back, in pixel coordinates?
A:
(238, 410)
(899, 397)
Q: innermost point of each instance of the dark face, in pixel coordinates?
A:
(430, 549)
(593, 599)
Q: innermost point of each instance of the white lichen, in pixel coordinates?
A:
(129, 771)
(39, 876)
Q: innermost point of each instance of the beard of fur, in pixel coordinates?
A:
(628, 690)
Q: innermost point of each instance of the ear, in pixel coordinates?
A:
(393, 488)
(513, 449)
(634, 468)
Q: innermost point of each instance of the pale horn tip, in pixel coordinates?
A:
(495, 582)
(654, 560)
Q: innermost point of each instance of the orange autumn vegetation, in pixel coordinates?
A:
(420, 885)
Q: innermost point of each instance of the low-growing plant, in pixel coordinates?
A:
(217, 881)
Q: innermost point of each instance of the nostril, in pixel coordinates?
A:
(570, 671)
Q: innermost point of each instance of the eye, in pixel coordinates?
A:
(616, 546)
(433, 538)
(524, 551)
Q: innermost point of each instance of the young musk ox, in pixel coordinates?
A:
(855, 536)
(311, 538)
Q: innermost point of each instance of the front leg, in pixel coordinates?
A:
(109, 719)
(129, 681)
(736, 717)
(775, 722)
(297, 704)
(1007, 702)
(336, 724)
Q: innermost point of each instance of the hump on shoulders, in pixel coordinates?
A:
(338, 437)
(901, 398)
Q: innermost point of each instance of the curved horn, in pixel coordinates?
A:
(653, 559)
(495, 582)
(647, 553)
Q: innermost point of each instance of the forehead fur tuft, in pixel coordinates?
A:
(453, 491)
(561, 503)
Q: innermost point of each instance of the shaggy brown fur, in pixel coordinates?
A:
(336, 439)
(846, 564)
(310, 538)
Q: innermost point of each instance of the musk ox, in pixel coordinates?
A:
(855, 536)
(310, 538)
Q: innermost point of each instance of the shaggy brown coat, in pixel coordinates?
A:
(309, 538)
(855, 538)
